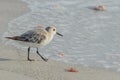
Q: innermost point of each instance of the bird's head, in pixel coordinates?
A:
(52, 30)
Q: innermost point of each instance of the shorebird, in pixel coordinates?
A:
(36, 38)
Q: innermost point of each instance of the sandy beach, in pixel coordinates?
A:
(14, 65)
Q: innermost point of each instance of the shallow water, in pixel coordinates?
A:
(91, 38)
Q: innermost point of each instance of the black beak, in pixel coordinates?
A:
(59, 34)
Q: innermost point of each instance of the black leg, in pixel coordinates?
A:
(28, 55)
(41, 56)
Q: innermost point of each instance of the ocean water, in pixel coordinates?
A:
(91, 38)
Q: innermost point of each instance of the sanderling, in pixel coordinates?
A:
(36, 38)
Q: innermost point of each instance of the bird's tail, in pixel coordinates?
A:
(13, 38)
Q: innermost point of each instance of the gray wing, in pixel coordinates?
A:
(32, 36)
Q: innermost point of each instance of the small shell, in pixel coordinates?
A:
(100, 8)
(40, 26)
(56, 6)
(61, 54)
(71, 70)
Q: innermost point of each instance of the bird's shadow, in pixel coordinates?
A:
(4, 59)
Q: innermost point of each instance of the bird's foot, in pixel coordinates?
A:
(30, 59)
(45, 59)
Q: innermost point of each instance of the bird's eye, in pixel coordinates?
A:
(53, 29)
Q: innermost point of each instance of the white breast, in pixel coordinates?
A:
(47, 40)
